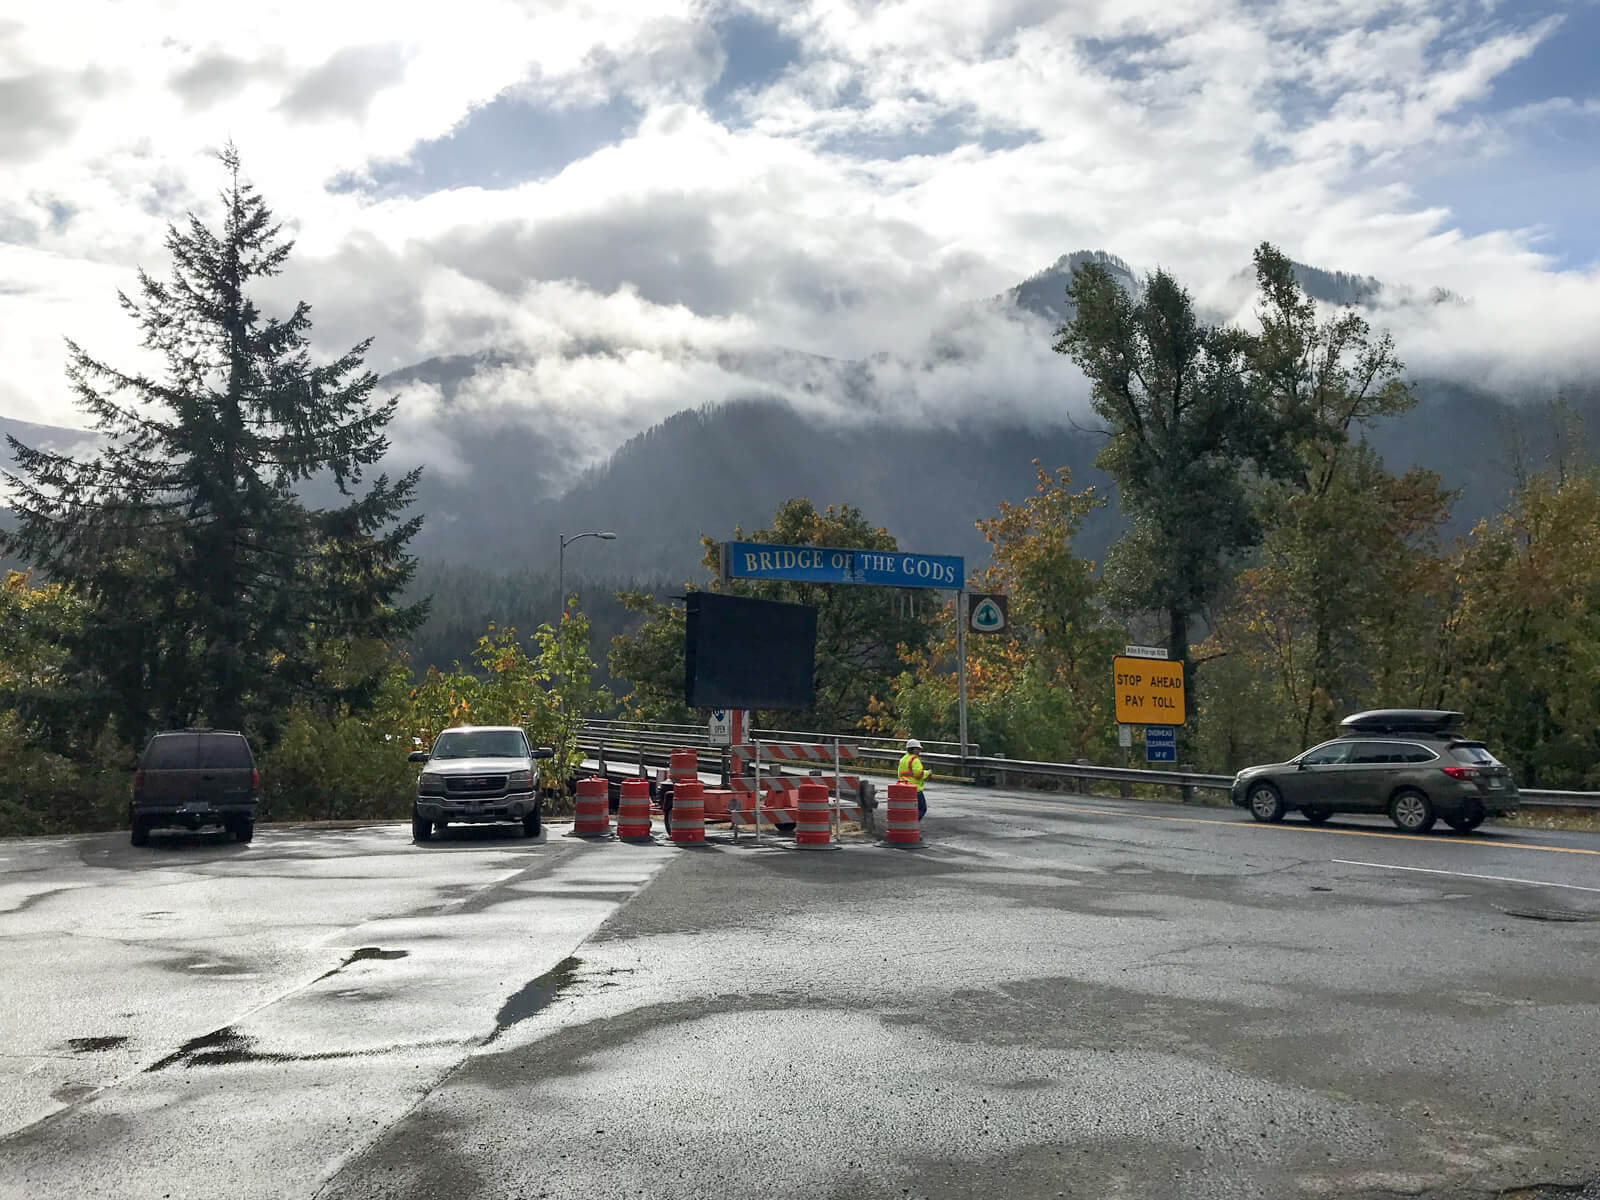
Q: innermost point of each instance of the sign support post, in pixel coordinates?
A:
(961, 671)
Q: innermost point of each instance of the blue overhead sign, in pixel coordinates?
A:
(818, 564)
(1160, 743)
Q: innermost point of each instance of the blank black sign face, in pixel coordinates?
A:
(741, 653)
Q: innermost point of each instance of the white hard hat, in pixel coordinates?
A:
(913, 744)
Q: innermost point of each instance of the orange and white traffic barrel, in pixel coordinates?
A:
(689, 813)
(813, 830)
(593, 809)
(902, 828)
(633, 811)
(684, 764)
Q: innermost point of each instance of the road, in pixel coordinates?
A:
(1053, 997)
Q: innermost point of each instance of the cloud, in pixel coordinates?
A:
(345, 85)
(41, 107)
(215, 76)
(636, 207)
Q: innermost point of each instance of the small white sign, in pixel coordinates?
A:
(1145, 651)
(1124, 736)
(720, 731)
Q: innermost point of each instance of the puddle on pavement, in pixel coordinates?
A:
(366, 954)
(537, 995)
(94, 1045)
(219, 1046)
(227, 1046)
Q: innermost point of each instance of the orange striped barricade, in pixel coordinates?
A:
(689, 813)
(814, 830)
(684, 764)
(633, 811)
(901, 827)
(593, 809)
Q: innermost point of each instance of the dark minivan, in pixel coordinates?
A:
(193, 778)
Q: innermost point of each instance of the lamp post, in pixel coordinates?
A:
(561, 562)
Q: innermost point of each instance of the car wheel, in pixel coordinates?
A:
(533, 824)
(1317, 815)
(1411, 811)
(1266, 803)
(421, 831)
(244, 831)
(141, 834)
(1464, 824)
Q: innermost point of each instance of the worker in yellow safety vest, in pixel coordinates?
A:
(913, 772)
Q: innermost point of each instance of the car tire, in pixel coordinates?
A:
(141, 834)
(533, 824)
(1317, 816)
(421, 831)
(244, 831)
(1411, 811)
(1266, 803)
(1464, 824)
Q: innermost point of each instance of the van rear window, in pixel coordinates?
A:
(225, 750)
(170, 752)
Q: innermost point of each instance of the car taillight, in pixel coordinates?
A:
(255, 779)
(138, 782)
(1462, 772)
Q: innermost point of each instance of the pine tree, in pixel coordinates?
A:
(217, 593)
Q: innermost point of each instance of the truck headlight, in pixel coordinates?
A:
(524, 778)
(431, 781)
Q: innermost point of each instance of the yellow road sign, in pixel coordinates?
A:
(1149, 691)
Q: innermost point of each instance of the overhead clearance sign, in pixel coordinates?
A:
(818, 564)
(1149, 691)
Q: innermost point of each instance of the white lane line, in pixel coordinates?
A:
(1571, 887)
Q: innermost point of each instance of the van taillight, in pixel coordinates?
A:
(255, 779)
(138, 782)
(1462, 772)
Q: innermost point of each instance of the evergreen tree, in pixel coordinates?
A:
(216, 593)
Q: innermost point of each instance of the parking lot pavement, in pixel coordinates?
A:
(202, 1018)
(1054, 997)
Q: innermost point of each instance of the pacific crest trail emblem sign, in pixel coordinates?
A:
(986, 613)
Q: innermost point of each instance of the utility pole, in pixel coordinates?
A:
(561, 565)
(961, 671)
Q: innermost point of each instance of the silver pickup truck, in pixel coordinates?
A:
(478, 773)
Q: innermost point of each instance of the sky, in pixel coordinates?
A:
(631, 202)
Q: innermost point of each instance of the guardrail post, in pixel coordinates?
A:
(1186, 789)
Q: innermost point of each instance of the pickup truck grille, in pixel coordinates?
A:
(474, 785)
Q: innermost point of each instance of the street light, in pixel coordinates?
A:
(561, 561)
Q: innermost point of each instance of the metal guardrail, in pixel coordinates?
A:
(658, 740)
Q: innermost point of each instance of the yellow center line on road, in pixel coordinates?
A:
(1412, 838)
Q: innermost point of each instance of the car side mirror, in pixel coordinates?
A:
(544, 752)
(1301, 765)
(418, 756)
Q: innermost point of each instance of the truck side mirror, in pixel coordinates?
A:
(544, 752)
(418, 756)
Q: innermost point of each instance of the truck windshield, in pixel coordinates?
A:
(481, 743)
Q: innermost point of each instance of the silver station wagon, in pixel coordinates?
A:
(1406, 762)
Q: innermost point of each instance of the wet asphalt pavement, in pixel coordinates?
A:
(1080, 998)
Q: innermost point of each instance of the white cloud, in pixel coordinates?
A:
(647, 275)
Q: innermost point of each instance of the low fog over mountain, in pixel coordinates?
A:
(925, 441)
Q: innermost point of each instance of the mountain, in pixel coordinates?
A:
(925, 442)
